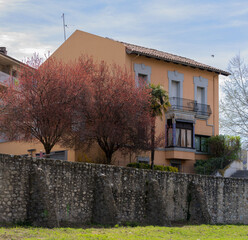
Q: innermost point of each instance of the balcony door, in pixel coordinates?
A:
(200, 98)
(200, 95)
(175, 94)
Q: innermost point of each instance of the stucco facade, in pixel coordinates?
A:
(193, 90)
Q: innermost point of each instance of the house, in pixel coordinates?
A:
(193, 89)
(9, 68)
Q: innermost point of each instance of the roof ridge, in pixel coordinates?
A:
(151, 52)
(158, 50)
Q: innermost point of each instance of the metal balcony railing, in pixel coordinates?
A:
(190, 105)
(7, 79)
(4, 77)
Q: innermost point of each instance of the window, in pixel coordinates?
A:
(200, 89)
(177, 164)
(201, 143)
(183, 138)
(142, 73)
(175, 89)
(3, 138)
(142, 79)
(170, 141)
(200, 95)
(169, 133)
(61, 155)
(141, 159)
(175, 84)
(189, 139)
(184, 134)
(175, 94)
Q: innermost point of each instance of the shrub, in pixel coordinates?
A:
(156, 167)
(224, 146)
(223, 150)
(208, 166)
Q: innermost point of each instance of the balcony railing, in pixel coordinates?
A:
(4, 77)
(190, 105)
(7, 79)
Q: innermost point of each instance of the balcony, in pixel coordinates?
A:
(7, 79)
(182, 104)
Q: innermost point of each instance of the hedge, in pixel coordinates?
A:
(156, 167)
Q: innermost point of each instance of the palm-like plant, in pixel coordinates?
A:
(159, 104)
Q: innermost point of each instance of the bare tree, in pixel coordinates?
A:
(234, 103)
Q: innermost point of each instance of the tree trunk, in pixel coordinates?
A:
(48, 150)
(109, 157)
(152, 143)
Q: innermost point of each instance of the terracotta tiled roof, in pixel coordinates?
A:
(153, 53)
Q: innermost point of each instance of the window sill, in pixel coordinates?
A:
(177, 149)
(202, 153)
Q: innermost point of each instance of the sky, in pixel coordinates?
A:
(194, 29)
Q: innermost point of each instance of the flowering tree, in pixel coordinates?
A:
(117, 114)
(42, 105)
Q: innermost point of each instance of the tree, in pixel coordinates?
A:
(42, 105)
(234, 106)
(223, 149)
(159, 103)
(117, 114)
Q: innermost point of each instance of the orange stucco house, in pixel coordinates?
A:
(193, 89)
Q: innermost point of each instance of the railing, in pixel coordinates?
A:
(190, 105)
(4, 77)
(7, 79)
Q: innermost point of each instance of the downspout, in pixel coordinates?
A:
(132, 60)
(212, 125)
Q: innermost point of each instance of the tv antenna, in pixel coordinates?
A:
(64, 25)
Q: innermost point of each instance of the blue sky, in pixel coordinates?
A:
(193, 28)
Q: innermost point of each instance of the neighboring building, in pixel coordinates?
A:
(231, 170)
(9, 68)
(244, 156)
(235, 169)
(193, 90)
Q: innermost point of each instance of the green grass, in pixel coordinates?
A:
(186, 232)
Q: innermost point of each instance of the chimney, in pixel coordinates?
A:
(3, 50)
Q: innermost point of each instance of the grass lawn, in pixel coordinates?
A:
(150, 232)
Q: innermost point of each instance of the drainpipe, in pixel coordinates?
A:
(132, 67)
(214, 94)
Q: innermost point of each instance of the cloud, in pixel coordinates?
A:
(195, 29)
(10, 5)
(21, 45)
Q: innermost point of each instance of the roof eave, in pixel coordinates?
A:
(17, 62)
(224, 73)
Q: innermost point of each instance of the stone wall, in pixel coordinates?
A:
(53, 193)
